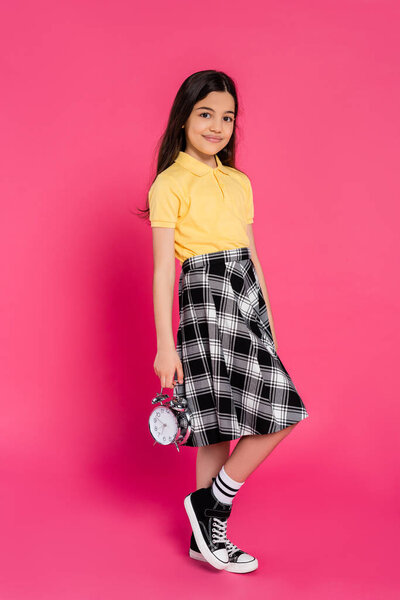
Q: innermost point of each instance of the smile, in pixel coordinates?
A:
(212, 139)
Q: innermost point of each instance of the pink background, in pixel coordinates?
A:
(90, 509)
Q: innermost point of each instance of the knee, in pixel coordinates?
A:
(289, 427)
(217, 447)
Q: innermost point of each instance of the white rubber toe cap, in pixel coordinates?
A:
(244, 558)
(222, 555)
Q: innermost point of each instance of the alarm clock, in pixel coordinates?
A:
(169, 422)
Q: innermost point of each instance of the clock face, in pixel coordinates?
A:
(163, 425)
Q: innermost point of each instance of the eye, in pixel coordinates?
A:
(208, 114)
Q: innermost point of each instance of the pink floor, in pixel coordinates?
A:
(108, 534)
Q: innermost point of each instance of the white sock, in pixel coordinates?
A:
(225, 488)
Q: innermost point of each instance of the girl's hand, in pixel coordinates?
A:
(165, 365)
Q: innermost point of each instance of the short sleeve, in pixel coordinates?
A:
(249, 201)
(164, 203)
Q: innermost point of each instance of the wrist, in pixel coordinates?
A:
(166, 347)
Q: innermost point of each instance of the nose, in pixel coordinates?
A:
(214, 127)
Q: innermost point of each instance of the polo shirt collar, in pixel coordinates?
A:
(197, 167)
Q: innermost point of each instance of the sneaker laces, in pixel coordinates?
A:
(219, 530)
(231, 548)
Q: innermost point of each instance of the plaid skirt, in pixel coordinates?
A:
(234, 381)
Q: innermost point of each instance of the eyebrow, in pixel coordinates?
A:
(208, 108)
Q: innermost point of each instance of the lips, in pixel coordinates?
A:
(210, 138)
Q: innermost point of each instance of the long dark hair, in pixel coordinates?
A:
(195, 87)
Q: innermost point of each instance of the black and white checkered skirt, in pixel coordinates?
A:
(233, 379)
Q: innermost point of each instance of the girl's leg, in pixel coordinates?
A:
(209, 461)
(250, 451)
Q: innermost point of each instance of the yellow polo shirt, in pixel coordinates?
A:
(209, 208)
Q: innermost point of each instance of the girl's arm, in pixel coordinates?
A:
(260, 274)
(167, 360)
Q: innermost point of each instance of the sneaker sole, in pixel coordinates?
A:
(232, 567)
(202, 545)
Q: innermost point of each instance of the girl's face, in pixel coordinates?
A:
(210, 125)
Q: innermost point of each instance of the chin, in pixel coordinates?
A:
(211, 148)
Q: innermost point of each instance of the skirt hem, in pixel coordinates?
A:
(228, 438)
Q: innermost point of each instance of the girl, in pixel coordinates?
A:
(201, 212)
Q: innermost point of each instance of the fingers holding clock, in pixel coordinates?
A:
(179, 372)
(166, 363)
(168, 381)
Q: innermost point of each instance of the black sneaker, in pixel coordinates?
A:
(239, 560)
(208, 518)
